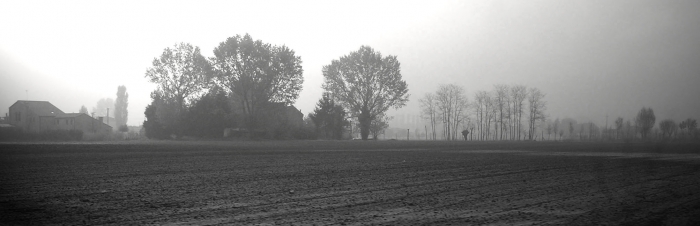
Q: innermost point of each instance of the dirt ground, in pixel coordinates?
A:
(350, 183)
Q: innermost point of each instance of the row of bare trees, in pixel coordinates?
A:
(448, 105)
(497, 114)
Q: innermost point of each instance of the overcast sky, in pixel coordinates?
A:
(591, 58)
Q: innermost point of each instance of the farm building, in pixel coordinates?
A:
(39, 116)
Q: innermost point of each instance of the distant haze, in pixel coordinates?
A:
(591, 58)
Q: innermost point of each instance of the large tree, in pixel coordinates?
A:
(329, 118)
(257, 74)
(645, 121)
(181, 74)
(121, 114)
(366, 84)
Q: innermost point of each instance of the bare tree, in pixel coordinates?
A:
(537, 106)
(428, 106)
(451, 102)
(668, 128)
(556, 128)
(518, 95)
(479, 105)
(501, 100)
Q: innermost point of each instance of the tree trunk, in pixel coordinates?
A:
(365, 122)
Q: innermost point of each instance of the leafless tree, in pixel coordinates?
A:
(537, 106)
(500, 100)
(556, 128)
(428, 105)
(518, 95)
(452, 103)
(668, 128)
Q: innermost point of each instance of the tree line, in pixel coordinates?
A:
(245, 80)
(492, 115)
(641, 127)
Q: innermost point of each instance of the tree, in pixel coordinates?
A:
(518, 95)
(501, 101)
(210, 115)
(549, 131)
(645, 121)
(692, 127)
(618, 127)
(257, 74)
(556, 128)
(537, 106)
(451, 102)
(571, 129)
(378, 125)
(366, 84)
(428, 106)
(181, 74)
(83, 109)
(329, 118)
(152, 125)
(668, 127)
(121, 114)
(101, 107)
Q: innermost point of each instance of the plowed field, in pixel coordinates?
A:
(350, 183)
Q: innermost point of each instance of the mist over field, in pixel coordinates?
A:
(542, 112)
(591, 59)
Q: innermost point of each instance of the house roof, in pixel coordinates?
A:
(40, 108)
(69, 115)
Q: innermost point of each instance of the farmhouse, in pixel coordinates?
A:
(39, 116)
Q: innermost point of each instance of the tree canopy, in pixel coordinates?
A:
(645, 121)
(366, 84)
(180, 73)
(257, 73)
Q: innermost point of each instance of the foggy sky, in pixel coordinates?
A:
(591, 58)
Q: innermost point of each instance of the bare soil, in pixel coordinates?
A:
(350, 183)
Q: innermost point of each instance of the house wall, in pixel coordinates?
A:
(21, 118)
(83, 122)
(46, 123)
